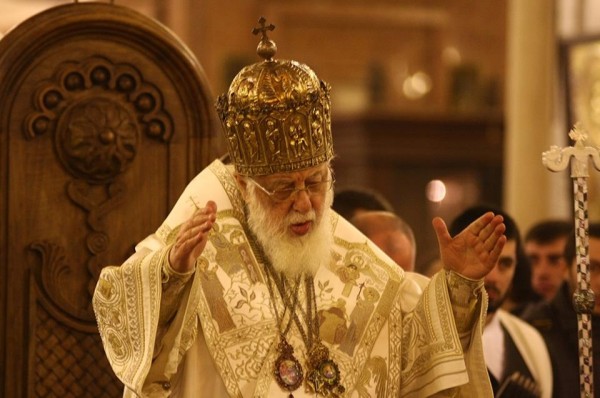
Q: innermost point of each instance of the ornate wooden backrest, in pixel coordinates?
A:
(104, 117)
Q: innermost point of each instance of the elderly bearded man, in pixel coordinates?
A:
(254, 287)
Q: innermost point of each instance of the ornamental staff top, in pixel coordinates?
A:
(557, 159)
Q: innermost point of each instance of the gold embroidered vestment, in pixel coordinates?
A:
(391, 333)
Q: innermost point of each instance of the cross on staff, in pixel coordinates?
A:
(557, 159)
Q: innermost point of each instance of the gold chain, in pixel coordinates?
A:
(323, 375)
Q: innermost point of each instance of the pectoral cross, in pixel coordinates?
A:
(557, 159)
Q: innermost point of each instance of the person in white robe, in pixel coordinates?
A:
(254, 287)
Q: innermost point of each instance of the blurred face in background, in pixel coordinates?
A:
(548, 266)
(396, 245)
(498, 282)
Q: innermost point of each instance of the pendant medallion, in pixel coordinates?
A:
(287, 371)
(323, 376)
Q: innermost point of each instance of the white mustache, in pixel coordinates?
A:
(297, 218)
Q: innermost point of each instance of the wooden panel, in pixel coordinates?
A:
(104, 118)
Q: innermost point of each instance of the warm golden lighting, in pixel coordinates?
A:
(435, 191)
(416, 85)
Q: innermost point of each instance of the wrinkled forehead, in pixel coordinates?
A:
(300, 175)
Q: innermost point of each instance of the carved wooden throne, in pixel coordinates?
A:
(104, 118)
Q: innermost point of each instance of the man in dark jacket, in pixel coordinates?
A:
(557, 321)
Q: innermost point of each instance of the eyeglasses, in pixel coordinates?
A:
(311, 188)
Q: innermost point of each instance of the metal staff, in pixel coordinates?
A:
(557, 159)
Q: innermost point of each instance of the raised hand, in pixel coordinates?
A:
(476, 249)
(192, 238)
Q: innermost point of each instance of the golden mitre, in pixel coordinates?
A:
(276, 115)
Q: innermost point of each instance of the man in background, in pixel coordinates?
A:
(545, 246)
(557, 321)
(350, 201)
(391, 234)
(515, 354)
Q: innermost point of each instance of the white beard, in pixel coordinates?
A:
(290, 254)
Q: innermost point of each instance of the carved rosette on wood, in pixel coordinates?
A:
(97, 112)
